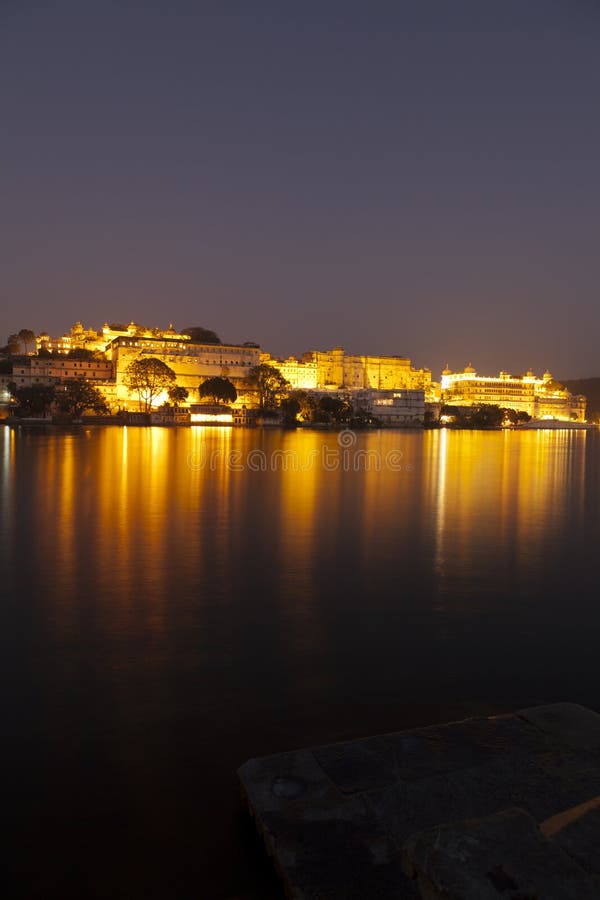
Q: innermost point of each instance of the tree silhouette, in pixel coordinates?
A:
(148, 377)
(178, 394)
(270, 384)
(27, 338)
(76, 395)
(13, 345)
(33, 400)
(200, 335)
(221, 390)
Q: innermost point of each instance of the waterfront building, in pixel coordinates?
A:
(244, 417)
(210, 414)
(389, 387)
(52, 370)
(170, 415)
(5, 395)
(338, 370)
(80, 338)
(541, 398)
(302, 375)
(192, 363)
(399, 407)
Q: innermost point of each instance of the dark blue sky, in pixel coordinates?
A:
(418, 178)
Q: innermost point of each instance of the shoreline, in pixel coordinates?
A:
(550, 425)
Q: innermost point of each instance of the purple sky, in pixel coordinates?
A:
(418, 178)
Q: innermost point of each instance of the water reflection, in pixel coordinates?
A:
(140, 511)
(6, 496)
(175, 609)
(137, 510)
(502, 503)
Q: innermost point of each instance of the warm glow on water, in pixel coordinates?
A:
(175, 601)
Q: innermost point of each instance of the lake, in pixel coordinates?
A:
(175, 601)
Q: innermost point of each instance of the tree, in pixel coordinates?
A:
(26, 338)
(84, 353)
(334, 409)
(515, 416)
(178, 394)
(270, 384)
(307, 404)
(13, 345)
(290, 407)
(33, 400)
(200, 335)
(76, 395)
(148, 377)
(23, 342)
(486, 416)
(219, 389)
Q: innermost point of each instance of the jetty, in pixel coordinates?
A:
(483, 809)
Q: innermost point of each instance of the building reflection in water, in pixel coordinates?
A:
(502, 502)
(173, 611)
(136, 526)
(7, 465)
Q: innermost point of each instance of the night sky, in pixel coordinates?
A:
(416, 178)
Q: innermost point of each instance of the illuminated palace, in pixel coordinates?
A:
(541, 398)
(192, 363)
(336, 370)
(80, 338)
(389, 387)
(116, 346)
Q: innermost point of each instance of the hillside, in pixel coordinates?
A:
(591, 388)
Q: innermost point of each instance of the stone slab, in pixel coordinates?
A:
(337, 818)
(573, 725)
(580, 837)
(501, 856)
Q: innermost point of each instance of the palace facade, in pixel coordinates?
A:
(336, 370)
(541, 398)
(398, 407)
(302, 376)
(191, 362)
(80, 338)
(52, 370)
(340, 370)
(390, 387)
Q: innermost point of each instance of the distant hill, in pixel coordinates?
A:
(591, 388)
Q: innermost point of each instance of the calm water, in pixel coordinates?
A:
(169, 609)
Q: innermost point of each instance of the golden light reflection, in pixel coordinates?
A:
(437, 462)
(211, 418)
(6, 498)
(390, 488)
(144, 514)
(64, 492)
(301, 506)
(499, 490)
(8, 442)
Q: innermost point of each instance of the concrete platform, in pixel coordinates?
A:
(485, 809)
